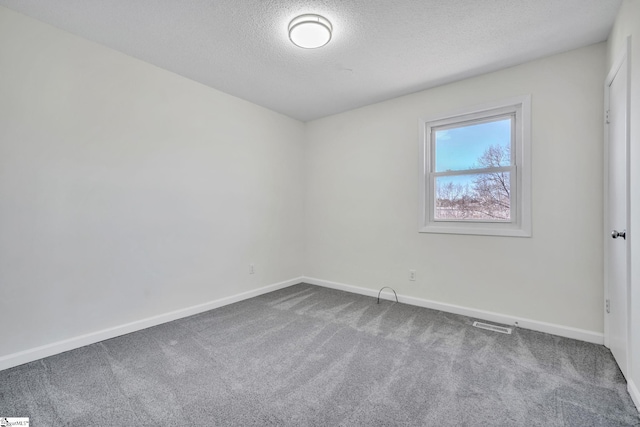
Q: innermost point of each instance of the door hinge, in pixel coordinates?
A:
(608, 306)
(606, 116)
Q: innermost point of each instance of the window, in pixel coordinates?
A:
(476, 176)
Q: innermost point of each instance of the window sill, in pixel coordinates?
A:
(503, 230)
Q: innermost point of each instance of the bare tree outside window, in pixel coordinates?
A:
(484, 196)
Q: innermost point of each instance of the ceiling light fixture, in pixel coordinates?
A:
(310, 31)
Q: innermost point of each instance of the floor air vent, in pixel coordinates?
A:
(493, 328)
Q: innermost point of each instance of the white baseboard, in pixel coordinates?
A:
(535, 325)
(30, 355)
(634, 392)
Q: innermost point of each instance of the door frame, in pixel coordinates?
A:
(622, 58)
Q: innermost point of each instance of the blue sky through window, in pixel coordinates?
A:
(459, 148)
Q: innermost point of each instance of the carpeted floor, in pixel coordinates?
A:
(309, 356)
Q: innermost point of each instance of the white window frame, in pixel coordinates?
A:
(520, 223)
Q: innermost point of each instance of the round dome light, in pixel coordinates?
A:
(310, 31)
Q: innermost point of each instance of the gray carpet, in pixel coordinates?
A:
(309, 356)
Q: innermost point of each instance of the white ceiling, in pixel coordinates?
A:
(380, 49)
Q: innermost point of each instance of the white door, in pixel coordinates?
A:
(616, 244)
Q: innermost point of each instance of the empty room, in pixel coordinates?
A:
(319, 213)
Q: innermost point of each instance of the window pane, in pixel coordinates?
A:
(475, 146)
(483, 196)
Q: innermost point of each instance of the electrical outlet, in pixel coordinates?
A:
(252, 269)
(412, 275)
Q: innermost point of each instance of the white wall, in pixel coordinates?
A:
(362, 199)
(127, 191)
(628, 24)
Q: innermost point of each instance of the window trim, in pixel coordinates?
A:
(520, 224)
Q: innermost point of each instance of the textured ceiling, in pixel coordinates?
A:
(380, 48)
